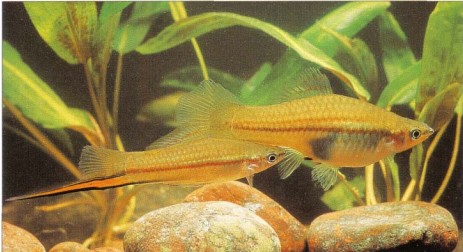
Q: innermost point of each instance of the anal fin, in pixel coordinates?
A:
(325, 174)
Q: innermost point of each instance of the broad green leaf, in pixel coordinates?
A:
(188, 78)
(133, 31)
(24, 89)
(161, 110)
(346, 20)
(442, 62)
(67, 27)
(339, 197)
(397, 55)
(401, 89)
(109, 9)
(255, 81)
(196, 26)
(439, 109)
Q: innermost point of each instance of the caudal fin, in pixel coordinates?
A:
(196, 112)
(101, 168)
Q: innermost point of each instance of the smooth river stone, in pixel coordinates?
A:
(201, 226)
(16, 239)
(394, 226)
(290, 231)
(69, 247)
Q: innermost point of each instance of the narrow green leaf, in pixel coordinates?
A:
(188, 78)
(397, 55)
(346, 20)
(439, 109)
(133, 32)
(255, 81)
(415, 161)
(67, 27)
(23, 88)
(394, 168)
(340, 198)
(459, 107)
(442, 52)
(196, 26)
(355, 56)
(401, 89)
(161, 110)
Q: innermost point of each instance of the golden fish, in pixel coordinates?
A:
(193, 162)
(333, 130)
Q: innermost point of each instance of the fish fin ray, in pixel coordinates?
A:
(196, 108)
(325, 175)
(98, 162)
(310, 82)
(290, 163)
(181, 134)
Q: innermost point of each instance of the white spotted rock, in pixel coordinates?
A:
(201, 226)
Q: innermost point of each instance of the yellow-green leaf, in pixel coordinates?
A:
(24, 89)
(439, 109)
(67, 27)
(339, 197)
(442, 62)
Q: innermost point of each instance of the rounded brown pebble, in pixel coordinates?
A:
(290, 231)
(397, 226)
(69, 247)
(105, 249)
(16, 239)
(201, 226)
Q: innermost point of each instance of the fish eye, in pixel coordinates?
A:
(415, 133)
(272, 157)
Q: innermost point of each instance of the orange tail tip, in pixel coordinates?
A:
(101, 168)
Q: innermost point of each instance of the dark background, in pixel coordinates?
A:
(239, 51)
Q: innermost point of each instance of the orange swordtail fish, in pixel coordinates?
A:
(193, 162)
(332, 130)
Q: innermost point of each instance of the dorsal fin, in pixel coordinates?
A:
(310, 82)
(290, 163)
(176, 136)
(196, 112)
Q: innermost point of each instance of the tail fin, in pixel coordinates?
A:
(101, 168)
(98, 162)
(197, 111)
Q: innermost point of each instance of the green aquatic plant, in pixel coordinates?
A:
(81, 35)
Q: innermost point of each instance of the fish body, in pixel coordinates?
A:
(195, 162)
(332, 130)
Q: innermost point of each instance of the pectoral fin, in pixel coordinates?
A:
(290, 163)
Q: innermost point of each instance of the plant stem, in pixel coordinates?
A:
(453, 160)
(369, 185)
(117, 84)
(178, 12)
(43, 140)
(100, 114)
(409, 191)
(26, 137)
(429, 153)
(388, 181)
(352, 190)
